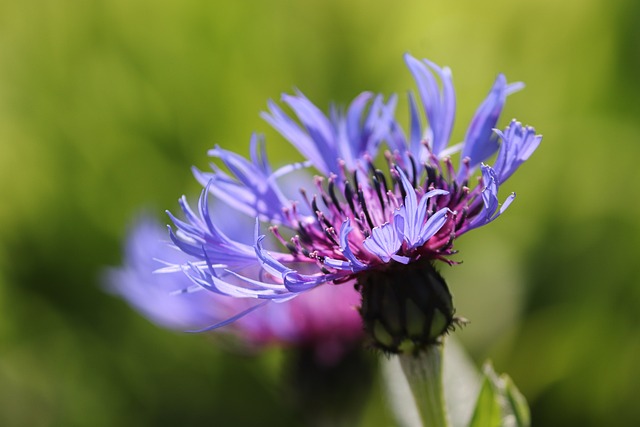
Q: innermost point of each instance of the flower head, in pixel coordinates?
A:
(376, 222)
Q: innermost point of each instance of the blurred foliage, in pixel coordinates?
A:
(104, 105)
(499, 403)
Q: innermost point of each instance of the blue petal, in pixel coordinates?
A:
(302, 141)
(448, 107)
(413, 225)
(383, 242)
(416, 147)
(230, 319)
(375, 126)
(354, 120)
(506, 204)
(199, 237)
(258, 284)
(258, 152)
(433, 225)
(518, 143)
(252, 192)
(268, 263)
(480, 142)
(345, 230)
(315, 122)
(360, 132)
(401, 259)
(221, 287)
(296, 282)
(397, 140)
(439, 105)
(489, 211)
(337, 264)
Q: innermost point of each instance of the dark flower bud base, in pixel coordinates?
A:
(406, 308)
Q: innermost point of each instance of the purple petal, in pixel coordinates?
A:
(251, 191)
(506, 204)
(414, 215)
(268, 262)
(439, 105)
(518, 143)
(383, 242)
(337, 264)
(230, 319)
(314, 120)
(199, 236)
(291, 131)
(433, 225)
(480, 142)
(221, 287)
(416, 147)
(259, 153)
(296, 282)
(354, 117)
(489, 199)
(345, 230)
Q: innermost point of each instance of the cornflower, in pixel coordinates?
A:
(376, 222)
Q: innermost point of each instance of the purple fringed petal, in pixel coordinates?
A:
(414, 229)
(480, 143)
(510, 198)
(433, 225)
(384, 242)
(315, 123)
(337, 264)
(296, 282)
(416, 148)
(518, 144)
(489, 199)
(345, 230)
(268, 262)
(353, 122)
(374, 127)
(199, 237)
(214, 284)
(439, 104)
(351, 264)
(252, 190)
(170, 299)
(230, 319)
(293, 281)
(347, 137)
(302, 141)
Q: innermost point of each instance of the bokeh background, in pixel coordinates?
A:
(104, 105)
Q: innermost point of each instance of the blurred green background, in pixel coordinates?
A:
(104, 105)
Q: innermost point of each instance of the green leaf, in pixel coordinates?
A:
(487, 412)
(517, 402)
(499, 403)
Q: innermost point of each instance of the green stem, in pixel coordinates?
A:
(424, 375)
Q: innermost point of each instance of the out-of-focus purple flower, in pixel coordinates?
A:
(160, 297)
(302, 322)
(379, 228)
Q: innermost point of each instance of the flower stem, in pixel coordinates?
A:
(424, 375)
